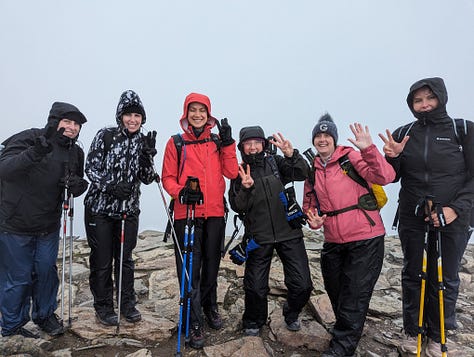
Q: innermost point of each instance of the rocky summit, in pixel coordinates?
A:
(158, 300)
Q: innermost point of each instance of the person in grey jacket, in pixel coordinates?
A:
(258, 194)
(119, 160)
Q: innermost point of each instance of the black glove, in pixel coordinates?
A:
(240, 252)
(43, 143)
(76, 185)
(149, 144)
(191, 193)
(225, 132)
(121, 190)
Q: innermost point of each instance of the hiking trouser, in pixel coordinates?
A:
(350, 271)
(28, 275)
(293, 256)
(103, 237)
(208, 237)
(453, 245)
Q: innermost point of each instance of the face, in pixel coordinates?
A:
(324, 144)
(252, 146)
(197, 115)
(424, 100)
(132, 122)
(71, 128)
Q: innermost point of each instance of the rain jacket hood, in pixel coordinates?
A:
(129, 99)
(437, 86)
(196, 98)
(61, 110)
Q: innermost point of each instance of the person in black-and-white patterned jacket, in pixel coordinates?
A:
(119, 160)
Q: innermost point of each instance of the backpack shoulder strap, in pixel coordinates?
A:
(405, 130)
(179, 143)
(349, 169)
(272, 162)
(460, 129)
(108, 137)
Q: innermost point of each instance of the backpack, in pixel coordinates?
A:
(460, 131)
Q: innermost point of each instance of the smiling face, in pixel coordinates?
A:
(253, 146)
(71, 128)
(197, 115)
(132, 122)
(324, 144)
(424, 100)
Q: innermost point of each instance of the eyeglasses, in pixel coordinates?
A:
(250, 143)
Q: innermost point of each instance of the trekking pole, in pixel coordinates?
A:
(190, 280)
(427, 210)
(71, 249)
(234, 234)
(181, 288)
(65, 213)
(122, 241)
(442, 223)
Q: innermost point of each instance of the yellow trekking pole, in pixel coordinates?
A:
(424, 265)
(442, 223)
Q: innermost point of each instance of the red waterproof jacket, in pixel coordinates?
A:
(204, 161)
(336, 190)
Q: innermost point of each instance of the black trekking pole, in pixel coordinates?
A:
(442, 223)
(234, 234)
(65, 215)
(71, 249)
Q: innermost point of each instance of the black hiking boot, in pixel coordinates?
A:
(131, 314)
(107, 318)
(213, 318)
(196, 337)
(21, 331)
(52, 326)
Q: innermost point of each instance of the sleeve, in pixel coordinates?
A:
(18, 155)
(228, 157)
(372, 166)
(240, 198)
(293, 168)
(169, 172)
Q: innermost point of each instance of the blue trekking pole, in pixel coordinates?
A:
(190, 224)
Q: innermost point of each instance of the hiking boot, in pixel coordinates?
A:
(213, 318)
(293, 326)
(251, 331)
(131, 314)
(409, 344)
(196, 337)
(107, 318)
(433, 348)
(21, 331)
(52, 326)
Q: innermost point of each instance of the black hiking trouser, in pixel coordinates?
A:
(350, 271)
(453, 245)
(103, 237)
(206, 257)
(293, 256)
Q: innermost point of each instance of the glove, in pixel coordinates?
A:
(188, 196)
(149, 144)
(122, 190)
(225, 132)
(240, 252)
(76, 185)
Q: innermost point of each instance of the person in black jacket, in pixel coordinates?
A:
(433, 166)
(35, 166)
(258, 194)
(119, 160)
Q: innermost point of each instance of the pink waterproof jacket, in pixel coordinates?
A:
(335, 190)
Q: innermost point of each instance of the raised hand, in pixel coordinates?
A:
(362, 136)
(391, 148)
(247, 180)
(283, 144)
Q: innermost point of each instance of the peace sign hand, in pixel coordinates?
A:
(247, 180)
(391, 148)
(282, 143)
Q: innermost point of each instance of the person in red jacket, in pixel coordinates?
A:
(208, 161)
(352, 254)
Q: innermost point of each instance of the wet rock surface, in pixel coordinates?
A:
(158, 295)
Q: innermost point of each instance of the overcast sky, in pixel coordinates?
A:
(278, 64)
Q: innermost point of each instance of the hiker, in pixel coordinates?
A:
(353, 250)
(430, 161)
(119, 160)
(207, 158)
(258, 194)
(35, 166)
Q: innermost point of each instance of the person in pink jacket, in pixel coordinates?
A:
(353, 250)
(208, 161)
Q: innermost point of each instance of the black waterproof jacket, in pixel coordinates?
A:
(30, 193)
(433, 162)
(265, 215)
